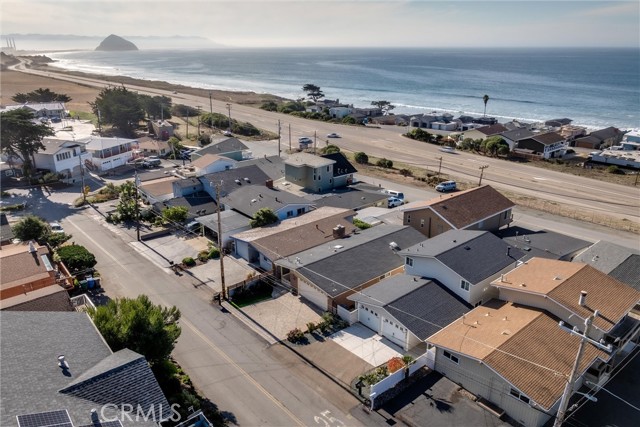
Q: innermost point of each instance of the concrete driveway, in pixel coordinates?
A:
(366, 344)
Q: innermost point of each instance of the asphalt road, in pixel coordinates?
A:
(583, 193)
(228, 362)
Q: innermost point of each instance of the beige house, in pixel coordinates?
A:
(480, 208)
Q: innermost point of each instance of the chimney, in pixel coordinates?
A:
(269, 183)
(583, 299)
(338, 231)
(508, 250)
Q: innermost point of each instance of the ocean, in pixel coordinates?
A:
(594, 87)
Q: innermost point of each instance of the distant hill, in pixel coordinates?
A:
(115, 43)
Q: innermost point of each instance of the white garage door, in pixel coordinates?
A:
(312, 294)
(367, 317)
(394, 331)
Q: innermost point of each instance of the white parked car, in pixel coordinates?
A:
(305, 140)
(393, 202)
(333, 135)
(56, 227)
(446, 186)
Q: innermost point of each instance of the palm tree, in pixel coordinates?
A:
(485, 99)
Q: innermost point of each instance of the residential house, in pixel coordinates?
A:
(601, 138)
(310, 172)
(162, 129)
(558, 123)
(26, 267)
(513, 137)
(391, 120)
(231, 148)
(353, 198)
(619, 262)
(187, 186)
(515, 357)
(58, 370)
(157, 190)
(548, 145)
(62, 157)
(543, 243)
(152, 147)
(197, 204)
(108, 153)
(483, 131)
(41, 110)
(571, 132)
(266, 245)
(340, 111)
(327, 274)
(231, 223)
(211, 163)
(50, 298)
(479, 208)
(407, 309)
(343, 170)
(227, 181)
(574, 291)
(465, 261)
(272, 166)
(249, 199)
(6, 233)
(366, 112)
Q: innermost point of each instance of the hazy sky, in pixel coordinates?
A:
(410, 23)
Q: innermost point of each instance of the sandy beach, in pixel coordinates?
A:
(13, 82)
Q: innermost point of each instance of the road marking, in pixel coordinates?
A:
(242, 371)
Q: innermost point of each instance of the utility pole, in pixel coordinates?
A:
(224, 288)
(199, 113)
(210, 105)
(289, 137)
(439, 165)
(279, 151)
(315, 139)
(229, 110)
(137, 204)
(84, 193)
(187, 137)
(584, 337)
(482, 168)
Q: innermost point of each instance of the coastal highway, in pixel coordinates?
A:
(579, 193)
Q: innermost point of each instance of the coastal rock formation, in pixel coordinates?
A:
(116, 43)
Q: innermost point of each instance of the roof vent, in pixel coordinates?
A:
(467, 248)
(523, 285)
(583, 298)
(394, 246)
(557, 278)
(254, 200)
(62, 363)
(32, 247)
(238, 181)
(505, 318)
(246, 179)
(505, 332)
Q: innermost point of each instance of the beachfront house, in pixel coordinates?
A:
(547, 145)
(62, 157)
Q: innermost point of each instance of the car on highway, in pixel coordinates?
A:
(333, 135)
(393, 202)
(448, 149)
(56, 227)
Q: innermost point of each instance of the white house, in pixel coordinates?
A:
(63, 157)
(211, 163)
(108, 153)
(465, 261)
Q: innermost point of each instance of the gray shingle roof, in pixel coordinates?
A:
(6, 233)
(388, 290)
(198, 204)
(542, 243)
(254, 175)
(628, 271)
(351, 267)
(228, 145)
(250, 198)
(230, 220)
(474, 255)
(353, 199)
(273, 166)
(605, 256)
(428, 309)
(32, 379)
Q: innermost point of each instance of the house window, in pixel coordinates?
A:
(300, 211)
(289, 214)
(422, 223)
(515, 393)
(465, 285)
(505, 214)
(327, 168)
(409, 261)
(451, 357)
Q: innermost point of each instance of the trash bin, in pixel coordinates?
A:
(90, 282)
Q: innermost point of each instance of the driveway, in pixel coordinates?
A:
(282, 313)
(366, 344)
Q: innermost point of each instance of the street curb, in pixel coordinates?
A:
(250, 322)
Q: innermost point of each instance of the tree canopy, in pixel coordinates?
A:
(156, 107)
(175, 214)
(77, 258)
(264, 216)
(139, 325)
(119, 107)
(21, 137)
(361, 158)
(385, 106)
(31, 227)
(313, 92)
(40, 95)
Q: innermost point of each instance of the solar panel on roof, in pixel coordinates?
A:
(45, 419)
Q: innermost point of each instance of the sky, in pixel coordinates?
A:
(333, 23)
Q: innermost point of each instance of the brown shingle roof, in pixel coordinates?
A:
(524, 346)
(467, 207)
(563, 281)
(548, 138)
(205, 160)
(492, 129)
(20, 267)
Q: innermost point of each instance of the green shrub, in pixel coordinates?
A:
(56, 239)
(295, 335)
(203, 256)
(615, 170)
(76, 257)
(361, 224)
(311, 327)
(361, 158)
(384, 163)
(214, 253)
(188, 261)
